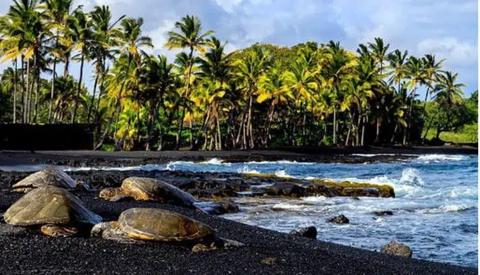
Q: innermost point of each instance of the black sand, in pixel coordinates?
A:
(25, 251)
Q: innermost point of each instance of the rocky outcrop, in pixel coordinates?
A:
(341, 219)
(397, 249)
(307, 232)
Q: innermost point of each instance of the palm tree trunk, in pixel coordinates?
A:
(335, 125)
(67, 65)
(80, 79)
(15, 91)
(52, 90)
(187, 94)
(92, 100)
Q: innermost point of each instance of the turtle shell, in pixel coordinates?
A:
(48, 176)
(49, 205)
(155, 224)
(152, 189)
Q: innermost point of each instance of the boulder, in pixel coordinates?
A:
(307, 232)
(285, 189)
(397, 249)
(341, 219)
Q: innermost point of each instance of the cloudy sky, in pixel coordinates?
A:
(446, 28)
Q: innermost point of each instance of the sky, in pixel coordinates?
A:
(446, 28)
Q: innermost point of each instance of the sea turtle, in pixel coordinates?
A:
(149, 189)
(54, 209)
(153, 224)
(49, 176)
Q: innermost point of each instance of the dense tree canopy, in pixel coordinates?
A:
(263, 96)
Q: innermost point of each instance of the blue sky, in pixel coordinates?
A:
(446, 28)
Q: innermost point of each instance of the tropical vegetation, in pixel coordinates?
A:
(263, 96)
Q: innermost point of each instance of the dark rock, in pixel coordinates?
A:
(361, 192)
(341, 219)
(285, 189)
(307, 232)
(383, 213)
(397, 249)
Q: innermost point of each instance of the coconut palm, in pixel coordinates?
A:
(249, 70)
(58, 13)
(104, 39)
(83, 38)
(187, 35)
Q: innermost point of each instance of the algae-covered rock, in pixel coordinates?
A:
(397, 249)
(354, 189)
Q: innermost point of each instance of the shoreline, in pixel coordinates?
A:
(291, 254)
(317, 154)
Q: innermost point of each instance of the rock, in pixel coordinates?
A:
(198, 248)
(285, 189)
(397, 249)
(383, 213)
(341, 219)
(228, 206)
(307, 232)
(269, 261)
(361, 192)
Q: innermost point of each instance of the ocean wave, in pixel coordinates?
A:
(441, 157)
(287, 206)
(448, 208)
(214, 161)
(282, 174)
(411, 176)
(247, 170)
(372, 155)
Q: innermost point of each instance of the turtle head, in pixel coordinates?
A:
(112, 194)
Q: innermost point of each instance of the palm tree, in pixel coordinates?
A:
(104, 38)
(336, 70)
(432, 69)
(215, 68)
(448, 93)
(249, 70)
(157, 81)
(132, 43)
(378, 51)
(26, 35)
(272, 88)
(416, 76)
(82, 36)
(303, 83)
(188, 35)
(58, 14)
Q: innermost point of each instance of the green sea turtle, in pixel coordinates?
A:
(149, 189)
(55, 210)
(49, 176)
(153, 224)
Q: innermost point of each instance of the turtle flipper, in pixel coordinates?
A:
(54, 230)
(111, 231)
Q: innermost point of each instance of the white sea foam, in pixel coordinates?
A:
(441, 157)
(215, 161)
(371, 155)
(246, 170)
(411, 176)
(287, 206)
(282, 174)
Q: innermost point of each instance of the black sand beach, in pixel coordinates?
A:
(26, 251)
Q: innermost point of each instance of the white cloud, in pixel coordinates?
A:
(228, 5)
(455, 51)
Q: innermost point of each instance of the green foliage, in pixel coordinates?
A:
(258, 97)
